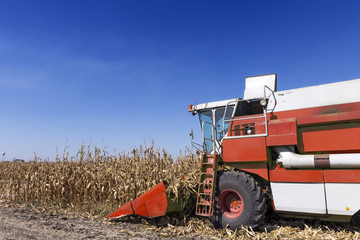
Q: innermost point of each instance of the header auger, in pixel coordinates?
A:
(297, 150)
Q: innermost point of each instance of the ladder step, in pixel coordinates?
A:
(207, 163)
(203, 215)
(206, 183)
(204, 204)
(208, 173)
(205, 194)
(205, 199)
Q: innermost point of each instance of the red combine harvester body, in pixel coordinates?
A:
(295, 151)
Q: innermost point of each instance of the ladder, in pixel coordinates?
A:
(206, 188)
(207, 179)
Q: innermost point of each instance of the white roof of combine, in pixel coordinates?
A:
(214, 104)
(307, 97)
(315, 96)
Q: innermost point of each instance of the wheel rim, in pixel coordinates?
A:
(231, 203)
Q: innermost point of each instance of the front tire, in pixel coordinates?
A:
(239, 201)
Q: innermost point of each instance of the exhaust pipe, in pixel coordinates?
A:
(289, 159)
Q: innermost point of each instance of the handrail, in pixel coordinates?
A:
(253, 117)
(233, 119)
(234, 101)
(252, 135)
(273, 93)
(197, 146)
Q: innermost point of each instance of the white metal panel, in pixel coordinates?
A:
(216, 104)
(254, 86)
(340, 196)
(299, 197)
(316, 96)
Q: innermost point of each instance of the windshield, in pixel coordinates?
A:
(214, 118)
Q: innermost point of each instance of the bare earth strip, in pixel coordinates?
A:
(28, 224)
(32, 223)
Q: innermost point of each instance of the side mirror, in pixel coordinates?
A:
(192, 134)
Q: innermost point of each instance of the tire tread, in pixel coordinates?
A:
(255, 193)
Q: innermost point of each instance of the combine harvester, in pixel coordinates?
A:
(295, 151)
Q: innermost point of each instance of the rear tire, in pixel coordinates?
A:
(239, 201)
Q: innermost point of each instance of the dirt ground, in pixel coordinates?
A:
(32, 224)
(20, 222)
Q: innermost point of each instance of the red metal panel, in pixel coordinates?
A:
(342, 176)
(282, 132)
(345, 139)
(339, 108)
(155, 194)
(244, 149)
(281, 140)
(304, 176)
(152, 203)
(157, 205)
(124, 210)
(331, 129)
(329, 118)
(240, 125)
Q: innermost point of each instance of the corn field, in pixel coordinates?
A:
(97, 182)
(93, 178)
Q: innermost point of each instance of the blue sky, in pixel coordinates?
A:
(121, 73)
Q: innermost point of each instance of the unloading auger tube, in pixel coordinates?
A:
(289, 159)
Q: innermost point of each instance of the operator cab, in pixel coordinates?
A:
(216, 117)
(213, 126)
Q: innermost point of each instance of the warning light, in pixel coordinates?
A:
(347, 208)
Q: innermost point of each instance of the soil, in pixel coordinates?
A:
(25, 223)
